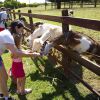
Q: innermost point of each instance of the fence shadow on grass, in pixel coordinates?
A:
(12, 88)
(92, 97)
(57, 79)
(22, 97)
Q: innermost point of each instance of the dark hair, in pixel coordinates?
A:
(3, 8)
(13, 25)
(17, 40)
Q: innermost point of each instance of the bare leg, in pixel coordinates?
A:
(3, 81)
(23, 84)
(18, 85)
(0, 90)
(23, 90)
(5, 74)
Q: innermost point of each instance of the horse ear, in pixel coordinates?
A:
(76, 41)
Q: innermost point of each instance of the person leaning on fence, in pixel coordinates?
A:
(7, 42)
(17, 70)
(8, 10)
(2, 9)
(3, 19)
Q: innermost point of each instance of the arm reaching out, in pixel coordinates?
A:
(19, 53)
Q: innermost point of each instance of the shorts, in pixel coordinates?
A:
(1, 29)
(1, 62)
(17, 70)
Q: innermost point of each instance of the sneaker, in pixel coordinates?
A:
(26, 91)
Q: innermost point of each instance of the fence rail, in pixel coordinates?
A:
(85, 23)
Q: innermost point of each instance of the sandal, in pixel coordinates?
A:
(26, 91)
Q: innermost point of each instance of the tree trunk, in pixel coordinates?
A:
(58, 4)
(70, 4)
(64, 4)
(51, 5)
(81, 5)
(95, 3)
(45, 4)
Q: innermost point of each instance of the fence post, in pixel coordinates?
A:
(14, 14)
(10, 14)
(65, 27)
(31, 21)
(19, 13)
(65, 59)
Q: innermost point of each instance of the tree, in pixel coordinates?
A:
(13, 4)
(95, 3)
(58, 2)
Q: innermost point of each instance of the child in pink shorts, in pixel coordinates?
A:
(17, 67)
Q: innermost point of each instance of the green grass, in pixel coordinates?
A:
(51, 84)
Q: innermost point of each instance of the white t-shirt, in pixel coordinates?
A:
(3, 17)
(5, 37)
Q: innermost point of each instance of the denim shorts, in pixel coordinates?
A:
(0, 62)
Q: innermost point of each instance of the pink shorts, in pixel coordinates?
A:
(17, 70)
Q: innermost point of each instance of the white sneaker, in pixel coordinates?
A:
(26, 91)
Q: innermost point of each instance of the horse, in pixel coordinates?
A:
(77, 42)
(47, 32)
(36, 34)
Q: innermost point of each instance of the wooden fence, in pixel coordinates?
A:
(66, 54)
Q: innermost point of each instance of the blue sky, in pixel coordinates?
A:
(31, 1)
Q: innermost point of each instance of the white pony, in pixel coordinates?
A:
(49, 32)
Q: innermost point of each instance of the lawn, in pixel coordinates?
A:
(51, 84)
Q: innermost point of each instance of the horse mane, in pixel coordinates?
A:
(87, 36)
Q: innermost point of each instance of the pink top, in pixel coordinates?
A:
(17, 60)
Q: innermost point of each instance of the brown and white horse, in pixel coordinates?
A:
(78, 42)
